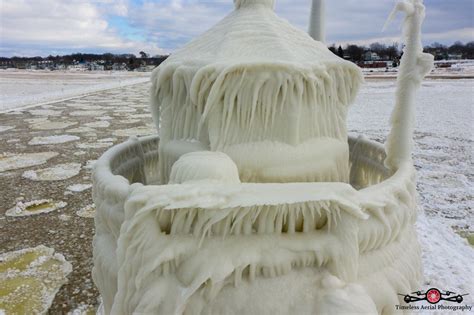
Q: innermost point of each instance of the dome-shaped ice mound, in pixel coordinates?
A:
(204, 165)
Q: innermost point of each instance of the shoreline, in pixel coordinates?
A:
(428, 77)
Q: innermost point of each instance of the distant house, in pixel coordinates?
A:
(454, 56)
(375, 64)
(78, 66)
(145, 68)
(5, 64)
(94, 66)
(371, 56)
(59, 66)
(119, 66)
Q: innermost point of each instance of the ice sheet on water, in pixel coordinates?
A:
(53, 139)
(98, 124)
(94, 145)
(87, 113)
(21, 88)
(30, 278)
(5, 128)
(84, 309)
(57, 172)
(107, 140)
(81, 129)
(104, 118)
(51, 125)
(79, 187)
(87, 211)
(45, 112)
(129, 121)
(35, 120)
(34, 207)
(12, 161)
(137, 131)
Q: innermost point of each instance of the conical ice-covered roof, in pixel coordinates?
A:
(247, 68)
(253, 33)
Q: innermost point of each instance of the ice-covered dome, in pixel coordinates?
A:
(252, 81)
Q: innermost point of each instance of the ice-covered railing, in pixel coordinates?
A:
(413, 67)
(147, 211)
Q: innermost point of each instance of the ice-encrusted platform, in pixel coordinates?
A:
(362, 240)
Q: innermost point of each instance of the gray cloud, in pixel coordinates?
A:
(45, 27)
(172, 23)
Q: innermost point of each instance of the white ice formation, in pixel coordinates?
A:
(87, 211)
(10, 161)
(57, 172)
(57, 139)
(261, 91)
(34, 207)
(254, 200)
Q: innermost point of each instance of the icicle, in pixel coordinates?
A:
(252, 272)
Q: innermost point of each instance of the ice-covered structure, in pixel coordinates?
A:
(253, 200)
(262, 92)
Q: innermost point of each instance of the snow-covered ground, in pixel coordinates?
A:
(443, 158)
(20, 88)
(443, 68)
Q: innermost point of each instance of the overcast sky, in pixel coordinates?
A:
(44, 27)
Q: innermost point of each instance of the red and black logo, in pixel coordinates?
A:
(433, 296)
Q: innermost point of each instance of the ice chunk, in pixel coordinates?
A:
(53, 139)
(87, 211)
(34, 207)
(11, 161)
(79, 187)
(30, 278)
(58, 172)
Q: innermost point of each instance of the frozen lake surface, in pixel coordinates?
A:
(19, 88)
(443, 107)
(443, 159)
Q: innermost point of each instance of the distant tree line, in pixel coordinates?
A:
(393, 52)
(107, 60)
(457, 50)
(355, 53)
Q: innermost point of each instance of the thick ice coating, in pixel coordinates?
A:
(204, 165)
(227, 213)
(255, 84)
(209, 247)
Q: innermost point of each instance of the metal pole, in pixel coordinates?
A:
(316, 21)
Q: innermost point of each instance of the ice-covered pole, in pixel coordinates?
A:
(413, 67)
(316, 20)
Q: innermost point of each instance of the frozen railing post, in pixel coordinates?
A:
(413, 67)
(317, 21)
